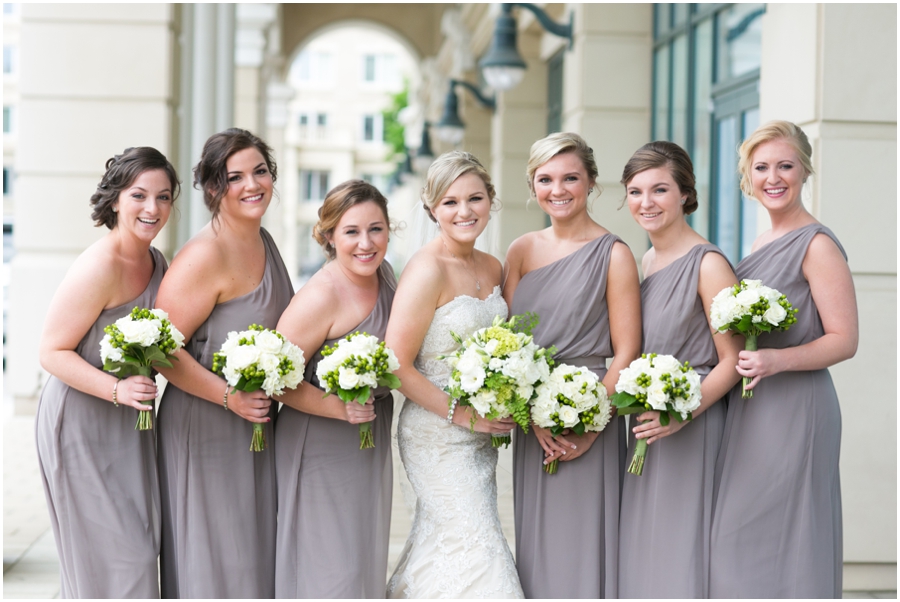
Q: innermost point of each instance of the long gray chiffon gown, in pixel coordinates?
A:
(567, 524)
(777, 530)
(218, 497)
(667, 511)
(100, 478)
(334, 499)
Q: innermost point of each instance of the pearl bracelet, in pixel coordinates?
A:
(225, 398)
(115, 394)
(453, 403)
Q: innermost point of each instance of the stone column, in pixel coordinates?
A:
(832, 70)
(74, 115)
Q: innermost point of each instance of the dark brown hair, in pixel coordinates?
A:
(661, 153)
(121, 172)
(338, 200)
(211, 173)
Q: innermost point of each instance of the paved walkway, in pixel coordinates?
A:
(30, 566)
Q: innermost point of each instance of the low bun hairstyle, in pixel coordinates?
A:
(774, 130)
(445, 170)
(211, 173)
(661, 153)
(121, 172)
(338, 200)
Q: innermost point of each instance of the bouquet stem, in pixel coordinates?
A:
(500, 440)
(145, 418)
(258, 443)
(366, 439)
(749, 345)
(637, 461)
(552, 467)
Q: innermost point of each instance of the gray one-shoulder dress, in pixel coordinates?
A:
(567, 524)
(334, 499)
(100, 478)
(667, 511)
(218, 497)
(777, 529)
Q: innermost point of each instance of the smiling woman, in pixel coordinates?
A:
(99, 473)
(229, 276)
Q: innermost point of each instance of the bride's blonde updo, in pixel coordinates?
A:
(445, 170)
(338, 200)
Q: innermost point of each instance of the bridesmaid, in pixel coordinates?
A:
(334, 500)
(99, 473)
(218, 510)
(777, 530)
(582, 282)
(667, 511)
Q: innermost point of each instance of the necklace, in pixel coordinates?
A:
(465, 267)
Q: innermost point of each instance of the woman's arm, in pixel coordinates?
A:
(831, 286)
(715, 275)
(189, 293)
(512, 269)
(306, 323)
(415, 302)
(86, 290)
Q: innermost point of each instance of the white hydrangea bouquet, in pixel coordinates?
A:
(572, 398)
(750, 309)
(136, 345)
(656, 382)
(352, 368)
(259, 358)
(496, 371)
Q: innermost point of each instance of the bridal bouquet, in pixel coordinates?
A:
(138, 343)
(353, 367)
(750, 309)
(572, 398)
(496, 371)
(656, 382)
(259, 358)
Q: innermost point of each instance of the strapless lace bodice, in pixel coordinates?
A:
(462, 316)
(456, 547)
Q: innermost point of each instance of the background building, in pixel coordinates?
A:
(702, 75)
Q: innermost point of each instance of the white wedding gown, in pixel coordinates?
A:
(456, 547)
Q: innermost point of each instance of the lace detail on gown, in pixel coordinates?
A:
(456, 547)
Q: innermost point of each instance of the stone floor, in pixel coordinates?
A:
(30, 566)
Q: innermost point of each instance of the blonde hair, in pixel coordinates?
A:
(556, 144)
(338, 200)
(774, 130)
(445, 170)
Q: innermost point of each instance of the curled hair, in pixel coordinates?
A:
(556, 144)
(774, 130)
(659, 154)
(337, 202)
(211, 173)
(121, 172)
(445, 170)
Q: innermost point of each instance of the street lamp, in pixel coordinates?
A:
(502, 66)
(424, 155)
(451, 128)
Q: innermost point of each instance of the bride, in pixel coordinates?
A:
(456, 548)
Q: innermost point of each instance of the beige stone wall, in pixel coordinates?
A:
(832, 69)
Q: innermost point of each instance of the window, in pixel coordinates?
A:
(314, 185)
(303, 119)
(7, 181)
(9, 53)
(313, 67)
(554, 93)
(9, 8)
(7, 120)
(373, 128)
(322, 120)
(380, 69)
(706, 61)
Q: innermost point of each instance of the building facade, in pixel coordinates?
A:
(701, 75)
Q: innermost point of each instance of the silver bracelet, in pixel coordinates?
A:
(225, 397)
(453, 403)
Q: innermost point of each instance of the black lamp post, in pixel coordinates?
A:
(451, 128)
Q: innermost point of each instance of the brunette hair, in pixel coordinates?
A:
(121, 172)
(445, 170)
(338, 200)
(774, 130)
(211, 173)
(661, 154)
(556, 144)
